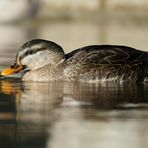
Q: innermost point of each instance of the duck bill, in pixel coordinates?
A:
(9, 71)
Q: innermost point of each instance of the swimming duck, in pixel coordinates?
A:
(43, 60)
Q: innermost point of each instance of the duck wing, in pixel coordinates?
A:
(106, 61)
(106, 54)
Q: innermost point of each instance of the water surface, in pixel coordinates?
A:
(53, 115)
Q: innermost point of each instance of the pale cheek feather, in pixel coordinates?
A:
(36, 61)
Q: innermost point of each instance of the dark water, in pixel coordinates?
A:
(71, 115)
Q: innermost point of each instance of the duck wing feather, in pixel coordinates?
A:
(99, 61)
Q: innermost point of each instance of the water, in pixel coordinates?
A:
(71, 115)
(43, 115)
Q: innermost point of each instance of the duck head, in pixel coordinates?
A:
(35, 54)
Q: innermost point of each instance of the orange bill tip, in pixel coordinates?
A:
(9, 71)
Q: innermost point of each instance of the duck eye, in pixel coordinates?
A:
(30, 52)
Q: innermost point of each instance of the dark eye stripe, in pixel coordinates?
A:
(31, 52)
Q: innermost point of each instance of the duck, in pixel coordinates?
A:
(43, 60)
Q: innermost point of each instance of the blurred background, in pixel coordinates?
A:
(72, 23)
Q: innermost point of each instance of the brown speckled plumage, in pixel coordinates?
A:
(107, 63)
(46, 61)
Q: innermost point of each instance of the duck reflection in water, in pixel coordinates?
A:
(31, 110)
(27, 110)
